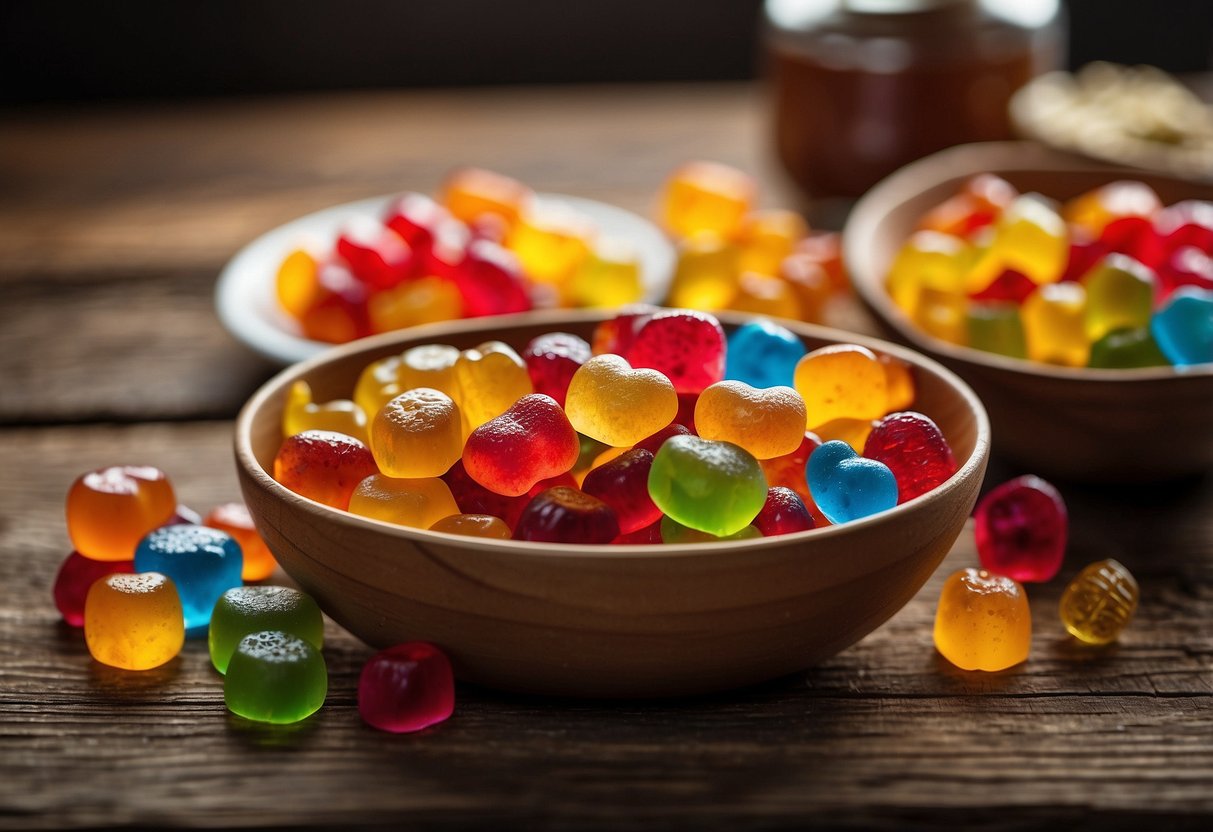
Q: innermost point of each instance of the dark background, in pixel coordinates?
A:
(53, 50)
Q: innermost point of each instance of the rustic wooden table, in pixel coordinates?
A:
(114, 222)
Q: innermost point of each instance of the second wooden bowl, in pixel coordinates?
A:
(1081, 424)
(607, 621)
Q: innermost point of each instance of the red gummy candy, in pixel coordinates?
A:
(1136, 237)
(76, 576)
(531, 441)
(323, 466)
(552, 359)
(1083, 257)
(687, 346)
(406, 688)
(1187, 266)
(340, 312)
(616, 335)
(623, 484)
(1010, 286)
(653, 443)
(648, 536)
(1021, 529)
(566, 515)
(914, 449)
(417, 219)
(1187, 223)
(491, 281)
(474, 498)
(376, 255)
(783, 513)
(789, 471)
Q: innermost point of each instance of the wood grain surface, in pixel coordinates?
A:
(113, 224)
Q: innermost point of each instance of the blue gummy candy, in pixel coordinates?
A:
(763, 354)
(204, 563)
(1183, 327)
(846, 486)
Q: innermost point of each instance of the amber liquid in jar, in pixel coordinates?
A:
(862, 87)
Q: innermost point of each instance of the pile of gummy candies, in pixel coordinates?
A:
(983, 621)
(661, 431)
(734, 256)
(147, 572)
(486, 248)
(1112, 279)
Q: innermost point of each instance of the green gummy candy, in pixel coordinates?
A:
(1123, 349)
(997, 328)
(713, 487)
(275, 677)
(252, 609)
(674, 532)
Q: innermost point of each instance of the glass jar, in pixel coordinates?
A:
(862, 87)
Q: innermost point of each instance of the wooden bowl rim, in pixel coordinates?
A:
(859, 237)
(274, 387)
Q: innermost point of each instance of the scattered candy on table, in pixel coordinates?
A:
(202, 562)
(244, 610)
(275, 677)
(110, 510)
(1097, 605)
(1111, 279)
(1021, 528)
(134, 621)
(406, 688)
(983, 621)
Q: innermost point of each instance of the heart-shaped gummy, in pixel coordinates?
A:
(491, 377)
(609, 401)
(846, 486)
(1183, 327)
(531, 441)
(767, 422)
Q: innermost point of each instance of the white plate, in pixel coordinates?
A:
(248, 308)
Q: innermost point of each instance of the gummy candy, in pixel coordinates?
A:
(609, 278)
(424, 300)
(615, 335)
(133, 622)
(297, 284)
(783, 513)
(915, 450)
(706, 197)
(761, 294)
(566, 515)
(234, 519)
(687, 346)
(340, 416)
(767, 422)
(244, 610)
(1120, 295)
(854, 432)
(996, 327)
(1054, 325)
(338, 313)
(491, 281)
(110, 510)
(653, 443)
(417, 503)
(609, 401)
(323, 466)
(767, 237)
(552, 359)
(842, 381)
(673, 532)
(1021, 529)
(1183, 327)
(202, 562)
(846, 486)
(474, 498)
(983, 621)
(623, 484)
(789, 471)
(470, 193)
(73, 580)
(473, 525)
(1127, 348)
(275, 677)
(705, 276)
(1097, 605)
(763, 354)
(650, 535)
(375, 255)
(531, 441)
(417, 434)
(714, 487)
(1093, 210)
(552, 243)
(407, 687)
(491, 377)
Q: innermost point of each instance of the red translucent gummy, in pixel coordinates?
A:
(1009, 286)
(1021, 528)
(789, 471)
(75, 577)
(1187, 223)
(623, 484)
(406, 688)
(1084, 254)
(783, 513)
(376, 255)
(491, 280)
(688, 347)
(825, 249)
(567, 515)
(648, 536)
(340, 313)
(474, 498)
(531, 441)
(417, 219)
(1136, 237)
(653, 443)
(1186, 266)
(616, 335)
(914, 449)
(323, 466)
(551, 360)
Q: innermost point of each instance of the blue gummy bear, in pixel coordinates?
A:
(763, 354)
(1183, 327)
(846, 486)
(204, 563)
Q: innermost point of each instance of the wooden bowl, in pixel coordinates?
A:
(1080, 424)
(607, 621)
